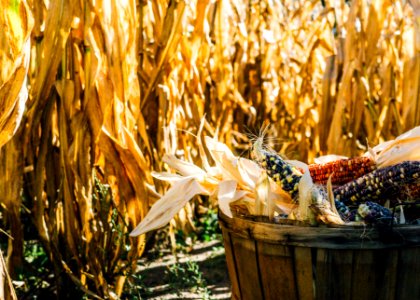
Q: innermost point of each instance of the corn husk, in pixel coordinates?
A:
(233, 179)
(405, 147)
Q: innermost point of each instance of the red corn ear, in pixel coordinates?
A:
(342, 170)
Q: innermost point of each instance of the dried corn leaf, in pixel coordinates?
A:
(17, 22)
(404, 147)
(13, 96)
(170, 204)
(228, 193)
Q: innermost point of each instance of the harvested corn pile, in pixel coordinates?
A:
(368, 189)
(357, 188)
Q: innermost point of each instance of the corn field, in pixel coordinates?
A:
(94, 93)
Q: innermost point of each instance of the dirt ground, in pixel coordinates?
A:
(170, 277)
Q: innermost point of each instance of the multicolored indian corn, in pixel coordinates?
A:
(369, 212)
(342, 170)
(283, 173)
(380, 185)
(353, 199)
(372, 212)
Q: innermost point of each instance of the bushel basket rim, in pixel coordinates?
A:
(337, 237)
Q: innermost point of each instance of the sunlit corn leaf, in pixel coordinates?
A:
(169, 205)
(17, 22)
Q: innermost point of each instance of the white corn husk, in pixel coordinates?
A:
(404, 147)
(232, 179)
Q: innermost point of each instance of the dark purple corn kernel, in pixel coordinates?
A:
(379, 185)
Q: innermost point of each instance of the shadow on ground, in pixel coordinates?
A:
(200, 274)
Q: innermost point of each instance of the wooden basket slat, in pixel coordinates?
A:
(389, 265)
(333, 275)
(231, 266)
(374, 274)
(277, 271)
(247, 268)
(408, 275)
(304, 273)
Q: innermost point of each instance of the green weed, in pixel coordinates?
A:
(187, 276)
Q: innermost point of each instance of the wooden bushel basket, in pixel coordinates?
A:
(283, 261)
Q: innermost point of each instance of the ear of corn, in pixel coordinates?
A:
(372, 212)
(283, 173)
(342, 170)
(369, 212)
(381, 184)
(342, 209)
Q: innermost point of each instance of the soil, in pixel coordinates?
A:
(210, 280)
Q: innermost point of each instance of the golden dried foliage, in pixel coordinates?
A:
(114, 85)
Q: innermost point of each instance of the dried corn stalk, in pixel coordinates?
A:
(114, 86)
(16, 22)
(82, 141)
